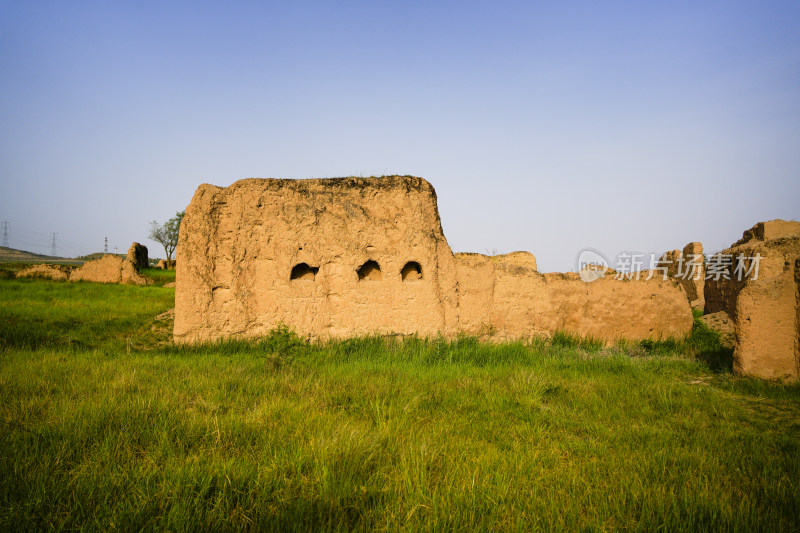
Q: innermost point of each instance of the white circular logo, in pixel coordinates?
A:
(591, 265)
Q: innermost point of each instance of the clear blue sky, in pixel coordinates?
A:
(543, 126)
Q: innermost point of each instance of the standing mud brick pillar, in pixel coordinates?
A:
(687, 266)
(137, 254)
(755, 282)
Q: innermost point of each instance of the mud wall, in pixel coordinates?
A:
(357, 256)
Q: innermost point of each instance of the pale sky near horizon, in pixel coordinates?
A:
(544, 126)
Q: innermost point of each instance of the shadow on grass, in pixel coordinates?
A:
(718, 361)
(705, 344)
(702, 343)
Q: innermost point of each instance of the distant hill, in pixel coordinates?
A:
(91, 257)
(96, 255)
(10, 255)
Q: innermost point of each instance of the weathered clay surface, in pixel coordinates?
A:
(513, 301)
(109, 269)
(765, 308)
(524, 259)
(163, 264)
(687, 266)
(777, 242)
(137, 254)
(357, 256)
(239, 245)
(774, 230)
(767, 328)
(722, 324)
(695, 274)
(55, 272)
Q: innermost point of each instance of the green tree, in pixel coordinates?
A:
(167, 233)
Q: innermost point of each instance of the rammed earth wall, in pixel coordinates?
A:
(358, 256)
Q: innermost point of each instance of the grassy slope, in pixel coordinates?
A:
(370, 434)
(160, 277)
(38, 314)
(14, 255)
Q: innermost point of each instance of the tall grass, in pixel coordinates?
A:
(51, 314)
(374, 434)
(159, 276)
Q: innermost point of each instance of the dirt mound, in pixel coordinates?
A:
(54, 272)
(109, 269)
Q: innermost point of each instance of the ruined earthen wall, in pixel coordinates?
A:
(306, 253)
(688, 268)
(512, 301)
(239, 245)
(54, 272)
(772, 230)
(767, 328)
(500, 298)
(777, 242)
(694, 283)
(797, 318)
(764, 308)
(137, 254)
(109, 269)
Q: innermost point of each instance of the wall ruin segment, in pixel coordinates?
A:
(359, 256)
(765, 307)
(688, 267)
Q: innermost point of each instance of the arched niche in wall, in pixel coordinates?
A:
(369, 271)
(303, 271)
(412, 271)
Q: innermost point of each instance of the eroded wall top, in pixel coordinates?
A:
(361, 256)
(331, 257)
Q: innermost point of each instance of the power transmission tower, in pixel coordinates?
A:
(6, 231)
(105, 246)
(53, 244)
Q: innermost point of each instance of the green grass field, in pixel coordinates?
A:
(106, 425)
(159, 277)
